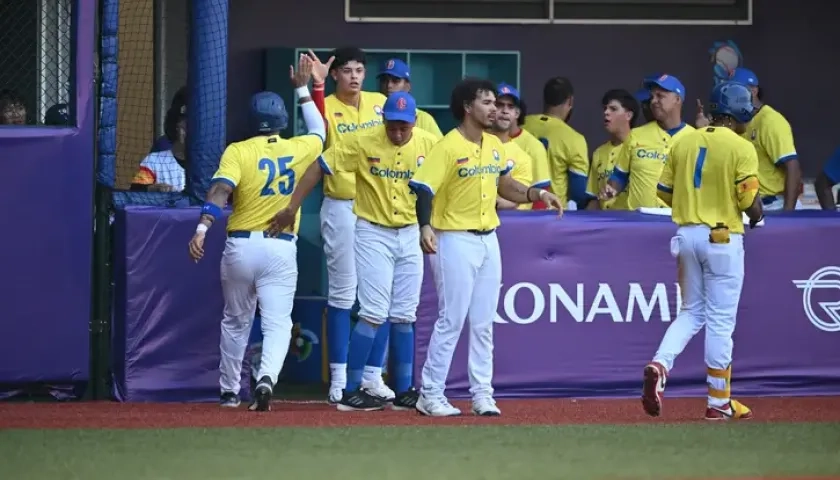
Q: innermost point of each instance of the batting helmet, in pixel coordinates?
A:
(732, 99)
(268, 113)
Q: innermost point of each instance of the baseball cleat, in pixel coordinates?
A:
(359, 401)
(653, 388)
(485, 407)
(262, 396)
(335, 395)
(734, 410)
(406, 400)
(433, 407)
(229, 400)
(377, 388)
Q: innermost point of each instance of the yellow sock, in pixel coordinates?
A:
(718, 382)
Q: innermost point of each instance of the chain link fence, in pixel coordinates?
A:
(35, 62)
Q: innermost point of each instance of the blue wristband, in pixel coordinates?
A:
(211, 209)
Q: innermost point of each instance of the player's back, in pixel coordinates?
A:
(567, 153)
(269, 167)
(706, 166)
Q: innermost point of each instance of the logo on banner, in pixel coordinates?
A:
(827, 317)
(557, 303)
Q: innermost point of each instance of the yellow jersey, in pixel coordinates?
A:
(535, 149)
(639, 164)
(262, 171)
(567, 154)
(343, 119)
(603, 163)
(428, 123)
(772, 137)
(711, 177)
(464, 179)
(525, 170)
(382, 171)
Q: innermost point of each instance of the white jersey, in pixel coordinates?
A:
(162, 167)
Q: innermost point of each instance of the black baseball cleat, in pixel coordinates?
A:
(359, 401)
(229, 400)
(262, 395)
(406, 400)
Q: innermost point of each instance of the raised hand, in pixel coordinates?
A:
(320, 70)
(301, 76)
(701, 120)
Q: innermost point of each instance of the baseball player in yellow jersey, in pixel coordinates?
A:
(620, 113)
(646, 151)
(779, 170)
(456, 189)
(530, 145)
(394, 77)
(526, 170)
(348, 110)
(568, 154)
(259, 265)
(710, 178)
(387, 243)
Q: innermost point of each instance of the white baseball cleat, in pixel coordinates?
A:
(485, 407)
(436, 407)
(377, 388)
(335, 395)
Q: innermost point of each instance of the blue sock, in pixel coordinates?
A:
(402, 356)
(361, 341)
(380, 346)
(338, 334)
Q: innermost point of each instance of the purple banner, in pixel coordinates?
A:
(585, 301)
(48, 233)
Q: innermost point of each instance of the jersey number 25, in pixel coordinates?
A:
(277, 171)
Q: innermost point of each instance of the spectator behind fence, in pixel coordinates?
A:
(164, 142)
(58, 115)
(165, 171)
(12, 108)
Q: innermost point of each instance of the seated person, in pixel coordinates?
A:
(165, 171)
(826, 180)
(12, 108)
(179, 100)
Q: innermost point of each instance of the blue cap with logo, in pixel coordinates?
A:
(507, 90)
(396, 68)
(400, 107)
(57, 115)
(744, 76)
(668, 83)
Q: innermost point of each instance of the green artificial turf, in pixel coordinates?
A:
(421, 453)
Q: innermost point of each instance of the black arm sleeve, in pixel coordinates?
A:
(424, 207)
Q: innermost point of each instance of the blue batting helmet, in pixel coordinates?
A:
(268, 112)
(732, 99)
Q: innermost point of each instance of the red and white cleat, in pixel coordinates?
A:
(653, 388)
(735, 410)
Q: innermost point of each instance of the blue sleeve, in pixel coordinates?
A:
(620, 177)
(831, 169)
(577, 187)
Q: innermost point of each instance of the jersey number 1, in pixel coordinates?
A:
(277, 168)
(698, 166)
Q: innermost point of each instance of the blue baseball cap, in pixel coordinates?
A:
(400, 107)
(744, 76)
(395, 68)
(668, 83)
(642, 95)
(506, 90)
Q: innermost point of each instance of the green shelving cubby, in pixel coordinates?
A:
(433, 74)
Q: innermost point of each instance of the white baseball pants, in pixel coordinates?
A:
(257, 269)
(711, 277)
(338, 226)
(389, 263)
(468, 276)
